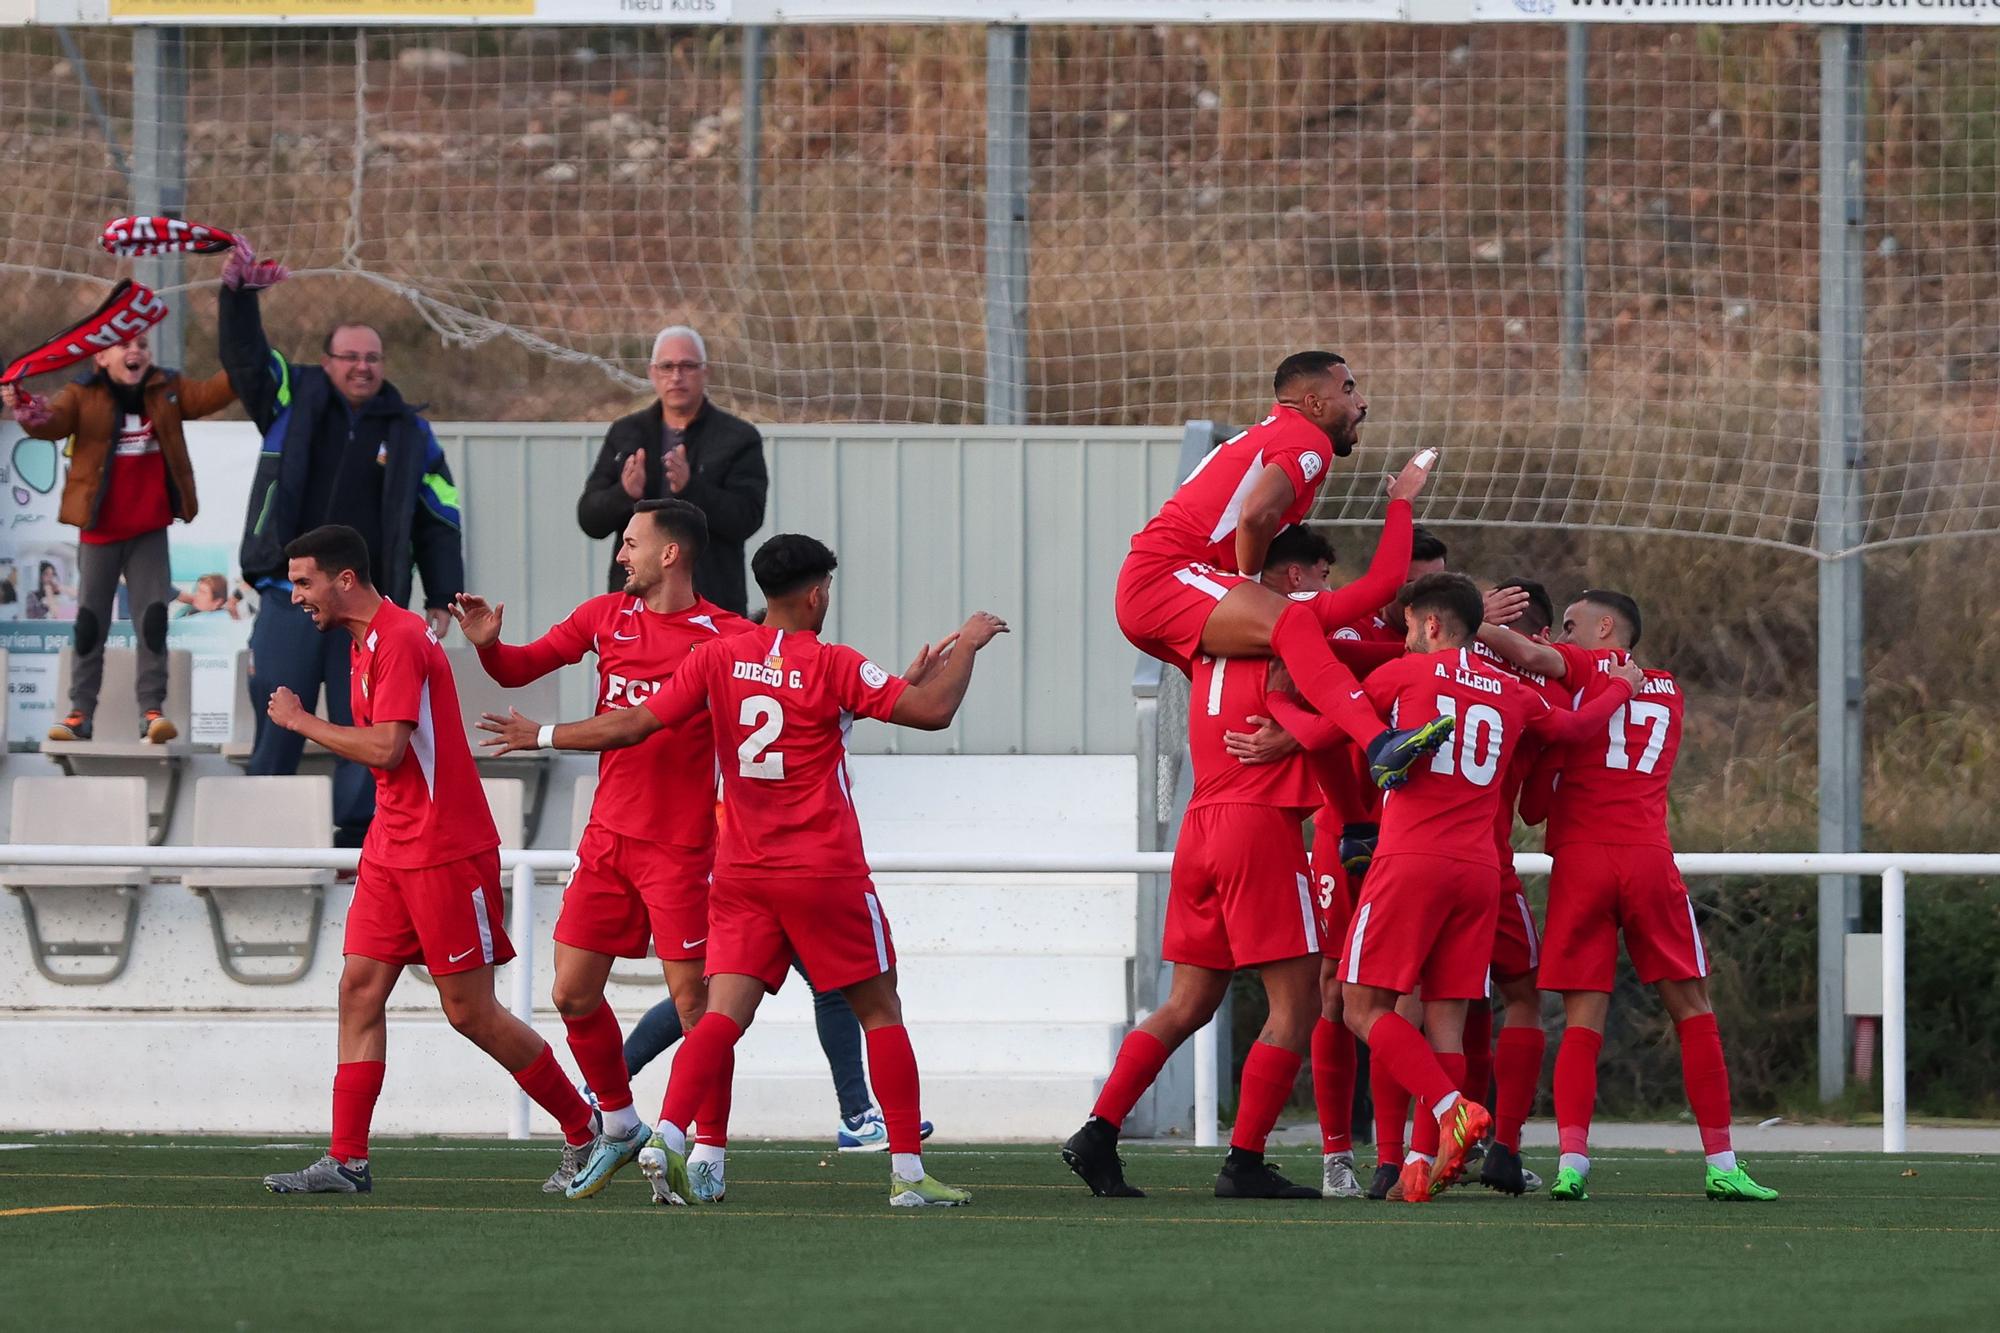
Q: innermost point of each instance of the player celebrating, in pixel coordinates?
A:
(428, 889)
(1615, 874)
(643, 864)
(1238, 897)
(1426, 912)
(1189, 584)
(791, 877)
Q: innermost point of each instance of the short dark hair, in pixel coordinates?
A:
(680, 521)
(326, 343)
(1303, 365)
(1541, 612)
(335, 548)
(1619, 605)
(1452, 595)
(1298, 545)
(1426, 545)
(791, 561)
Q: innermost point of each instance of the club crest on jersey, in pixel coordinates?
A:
(1310, 465)
(872, 676)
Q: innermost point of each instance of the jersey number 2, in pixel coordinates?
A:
(754, 757)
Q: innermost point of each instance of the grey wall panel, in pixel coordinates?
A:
(930, 523)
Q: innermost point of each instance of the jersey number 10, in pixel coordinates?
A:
(1474, 748)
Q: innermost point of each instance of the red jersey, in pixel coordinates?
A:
(429, 808)
(1613, 785)
(134, 502)
(663, 789)
(1198, 521)
(1449, 806)
(1226, 693)
(781, 703)
(1525, 757)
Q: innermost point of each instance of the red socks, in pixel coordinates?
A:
(1707, 1078)
(549, 1088)
(1576, 1087)
(1478, 1081)
(892, 1068)
(599, 1049)
(706, 1054)
(712, 1121)
(1395, 1045)
(1268, 1075)
(356, 1085)
(1424, 1129)
(1517, 1068)
(1333, 1060)
(1328, 686)
(1392, 1112)
(1140, 1058)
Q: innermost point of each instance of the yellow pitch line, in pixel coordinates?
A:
(55, 1208)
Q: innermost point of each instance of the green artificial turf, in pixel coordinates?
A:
(179, 1234)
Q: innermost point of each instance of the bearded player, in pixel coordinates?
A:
(791, 876)
(1239, 897)
(1189, 586)
(1426, 911)
(1615, 875)
(643, 864)
(428, 890)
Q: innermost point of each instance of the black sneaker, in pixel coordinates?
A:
(1476, 1153)
(1092, 1152)
(1246, 1175)
(1386, 1177)
(1393, 754)
(1502, 1170)
(74, 727)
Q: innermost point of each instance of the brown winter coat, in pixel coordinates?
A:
(86, 413)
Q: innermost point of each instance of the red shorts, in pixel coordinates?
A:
(1423, 920)
(626, 891)
(1239, 895)
(834, 926)
(1517, 946)
(1597, 891)
(451, 917)
(1333, 892)
(1163, 603)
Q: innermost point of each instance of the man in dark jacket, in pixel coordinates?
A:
(340, 446)
(686, 447)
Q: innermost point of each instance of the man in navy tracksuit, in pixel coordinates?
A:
(340, 446)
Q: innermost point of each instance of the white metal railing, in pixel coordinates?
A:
(1891, 868)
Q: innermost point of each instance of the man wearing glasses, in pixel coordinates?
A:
(685, 447)
(340, 447)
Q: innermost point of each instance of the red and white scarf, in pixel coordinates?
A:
(128, 312)
(137, 236)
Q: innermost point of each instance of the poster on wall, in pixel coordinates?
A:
(38, 578)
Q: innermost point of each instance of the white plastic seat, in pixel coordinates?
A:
(107, 812)
(507, 799)
(274, 812)
(115, 749)
(479, 693)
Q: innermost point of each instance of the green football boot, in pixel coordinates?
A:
(668, 1172)
(1737, 1187)
(1569, 1186)
(925, 1193)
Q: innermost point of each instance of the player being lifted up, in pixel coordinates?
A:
(1615, 874)
(428, 890)
(791, 877)
(1238, 897)
(643, 865)
(1189, 586)
(1426, 911)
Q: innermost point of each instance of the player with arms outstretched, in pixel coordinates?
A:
(428, 890)
(1615, 875)
(643, 864)
(1189, 586)
(1426, 912)
(791, 876)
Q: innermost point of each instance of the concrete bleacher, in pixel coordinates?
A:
(1016, 987)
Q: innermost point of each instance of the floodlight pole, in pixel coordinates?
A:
(1006, 224)
(1576, 158)
(1842, 324)
(159, 167)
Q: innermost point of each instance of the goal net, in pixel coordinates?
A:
(1202, 201)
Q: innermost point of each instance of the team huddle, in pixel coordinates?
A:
(1408, 718)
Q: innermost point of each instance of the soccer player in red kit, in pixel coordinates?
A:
(1615, 874)
(1239, 897)
(428, 890)
(1426, 912)
(1189, 586)
(643, 864)
(791, 877)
